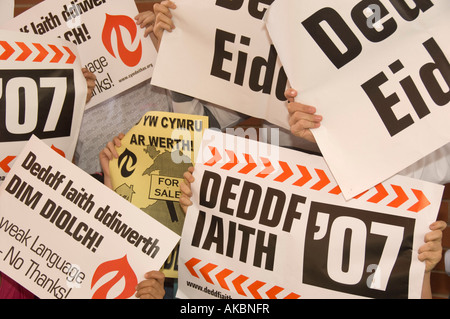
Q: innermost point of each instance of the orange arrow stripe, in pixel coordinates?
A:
(324, 180)
(273, 292)
(380, 195)
(72, 57)
(9, 50)
(26, 52)
(233, 160)
(190, 266)
(292, 296)
(58, 54)
(421, 204)
(306, 176)
(216, 157)
(253, 288)
(206, 270)
(4, 164)
(287, 172)
(336, 191)
(42, 53)
(221, 278)
(269, 169)
(251, 164)
(401, 197)
(237, 283)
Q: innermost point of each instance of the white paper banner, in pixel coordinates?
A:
(41, 93)
(379, 75)
(109, 42)
(272, 223)
(64, 235)
(224, 56)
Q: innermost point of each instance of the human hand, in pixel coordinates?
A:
(186, 192)
(163, 19)
(107, 154)
(431, 251)
(152, 287)
(146, 20)
(302, 118)
(90, 81)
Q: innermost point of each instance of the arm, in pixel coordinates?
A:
(107, 154)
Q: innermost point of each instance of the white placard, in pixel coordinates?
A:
(379, 75)
(64, 235)
(272, 223)
(109, 42)
(224, 56)
(41, 92)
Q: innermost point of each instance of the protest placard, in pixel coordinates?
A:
(109, 42)
(42, 92)
(378, 73)
(267, 224)
(6, 10)
(226, 47)
(153, 157)
(64, 235)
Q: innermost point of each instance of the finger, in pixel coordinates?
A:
(185, 189)
(162, 8)
(439, 225)
(290, 94)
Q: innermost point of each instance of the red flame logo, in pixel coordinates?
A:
(113, 23)
(123, 269)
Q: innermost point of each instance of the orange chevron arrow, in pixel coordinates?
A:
(233, 160)
(9, 50)
(292, 296)
(221, 278)
(401, 197)
(190, 266)
(58, 54)
(336, 191)
(269, 169)
(306, 176)
(26, 51)
(273, 292)
(206, 270)
(380, 195)
(251, 164)
(287, 172)
(72, 56)
(216, 157)
(324, 180)
(237, 283)
(421, 204)
(42, 53)
(4, 164)
(253, 288)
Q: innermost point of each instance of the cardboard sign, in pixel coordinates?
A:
(227, 47)
(109, 42)
(64, 235)
(6, 10)
(275, 225)
(153, 157)
(378, 72)
(42, 93)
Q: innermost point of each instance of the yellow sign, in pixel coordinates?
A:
(152, 160)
